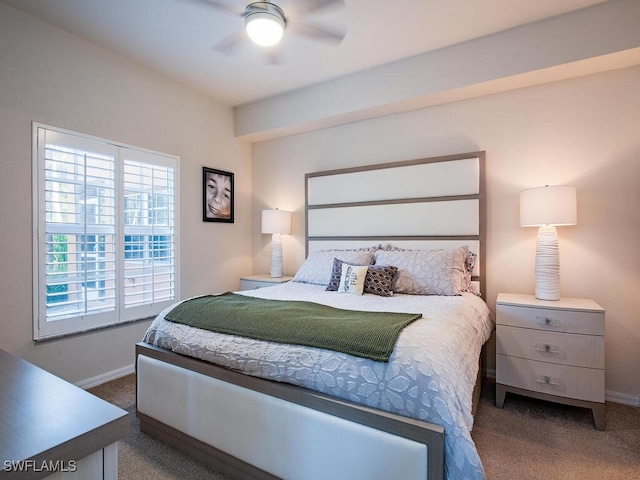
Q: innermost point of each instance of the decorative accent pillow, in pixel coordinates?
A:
(379, 279)
(427, 272)
(469, 263)
(352, 279)
(318, 265)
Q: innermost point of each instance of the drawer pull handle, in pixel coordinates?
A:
(546, 379)
(548, 322)
(546, 348)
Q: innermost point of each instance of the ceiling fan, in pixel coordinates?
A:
(265, 23)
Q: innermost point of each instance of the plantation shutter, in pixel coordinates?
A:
(149, 236)
(105, 243)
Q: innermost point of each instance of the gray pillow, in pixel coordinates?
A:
(318, 266)
(427, 272)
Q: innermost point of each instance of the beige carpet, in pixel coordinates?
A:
(525, 440)
(530, 439)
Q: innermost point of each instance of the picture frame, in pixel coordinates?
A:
(217, 195)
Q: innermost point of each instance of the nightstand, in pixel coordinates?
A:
(252, 282)
(551, 350)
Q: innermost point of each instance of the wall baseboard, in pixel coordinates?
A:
(105, 377)
(609, 396)
(624, 398)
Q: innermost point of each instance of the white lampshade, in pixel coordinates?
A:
(264, 28)
(276, 221)
(548, 206)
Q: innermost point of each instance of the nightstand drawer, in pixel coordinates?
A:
(551, 378)
(562, 348)
(253, 284)
(552, 320)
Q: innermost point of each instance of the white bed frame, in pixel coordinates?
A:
(250, 428)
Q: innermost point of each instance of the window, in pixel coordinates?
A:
(105, 249)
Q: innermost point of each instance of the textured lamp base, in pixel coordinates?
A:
(547, 264)
(275, 269)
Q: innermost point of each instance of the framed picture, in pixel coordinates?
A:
(217, 195)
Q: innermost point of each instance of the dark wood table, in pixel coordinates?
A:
(48, 425)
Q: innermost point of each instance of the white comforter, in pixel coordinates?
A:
(430, 375)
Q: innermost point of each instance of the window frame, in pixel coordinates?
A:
(44, 329)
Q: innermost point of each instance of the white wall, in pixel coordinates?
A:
(52, 77)
(583, 132)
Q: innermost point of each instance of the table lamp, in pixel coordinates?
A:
(277, 223)
(547, 207)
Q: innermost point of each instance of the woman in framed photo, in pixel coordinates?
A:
(217, 195)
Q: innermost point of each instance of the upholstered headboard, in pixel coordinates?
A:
(428, 203)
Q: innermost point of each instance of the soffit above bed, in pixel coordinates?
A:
(595, 39)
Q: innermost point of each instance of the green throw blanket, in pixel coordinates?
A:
(364, 334)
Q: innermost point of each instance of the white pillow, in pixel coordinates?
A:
(319, 264)
(427, 272)
(352, 279)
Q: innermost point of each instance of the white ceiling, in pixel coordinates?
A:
(176, 36)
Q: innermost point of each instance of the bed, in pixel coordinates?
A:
(272, 410)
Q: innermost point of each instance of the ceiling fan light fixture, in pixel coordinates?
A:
(264, 23)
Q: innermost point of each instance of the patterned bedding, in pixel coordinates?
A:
(430, 375)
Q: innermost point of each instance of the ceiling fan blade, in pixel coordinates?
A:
(230, 42)
(306, 6)
(222, 6)
(316, 33)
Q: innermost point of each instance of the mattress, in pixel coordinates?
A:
(430, 375)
